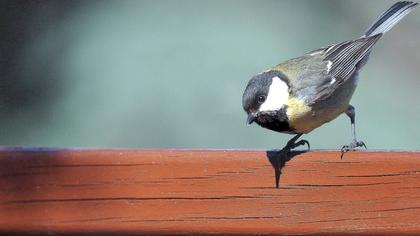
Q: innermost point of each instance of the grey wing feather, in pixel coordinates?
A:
(345, 57)
(334, 63)
(349, 56)
(340, 62)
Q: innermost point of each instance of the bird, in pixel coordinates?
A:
(303, 93)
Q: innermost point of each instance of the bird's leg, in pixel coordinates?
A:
(292, 144)
(355, 143)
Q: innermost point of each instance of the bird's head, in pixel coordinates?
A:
(266, 92)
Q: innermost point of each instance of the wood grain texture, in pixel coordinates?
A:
(168, 191)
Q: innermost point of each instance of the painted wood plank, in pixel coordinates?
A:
(199, 191)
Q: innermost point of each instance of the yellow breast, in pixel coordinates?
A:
(299, 115)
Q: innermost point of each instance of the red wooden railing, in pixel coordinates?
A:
(207, 192)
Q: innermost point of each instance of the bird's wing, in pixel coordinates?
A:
(327, 68)
(316, 75)
(344, 58)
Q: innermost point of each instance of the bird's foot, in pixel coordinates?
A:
(352, 146)
(292, 145)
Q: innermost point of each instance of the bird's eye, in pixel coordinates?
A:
(261, 99)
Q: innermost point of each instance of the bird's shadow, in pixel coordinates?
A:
(278, 159)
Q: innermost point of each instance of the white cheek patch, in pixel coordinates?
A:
(277, 96)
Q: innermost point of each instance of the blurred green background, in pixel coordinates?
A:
(170, 74)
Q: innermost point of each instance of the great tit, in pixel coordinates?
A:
(301, 94)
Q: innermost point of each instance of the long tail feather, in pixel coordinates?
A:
(390, 18)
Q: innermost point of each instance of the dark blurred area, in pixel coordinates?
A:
(27, 85)
(170, 74)
(21, 21)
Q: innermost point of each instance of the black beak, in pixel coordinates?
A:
(251, 118)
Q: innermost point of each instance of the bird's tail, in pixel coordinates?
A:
(390, 18)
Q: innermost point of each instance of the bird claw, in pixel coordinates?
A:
(352, 146)
(303, 142)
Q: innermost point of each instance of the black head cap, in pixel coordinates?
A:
(257, 90)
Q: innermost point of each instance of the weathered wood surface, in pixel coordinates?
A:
(165, 191)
